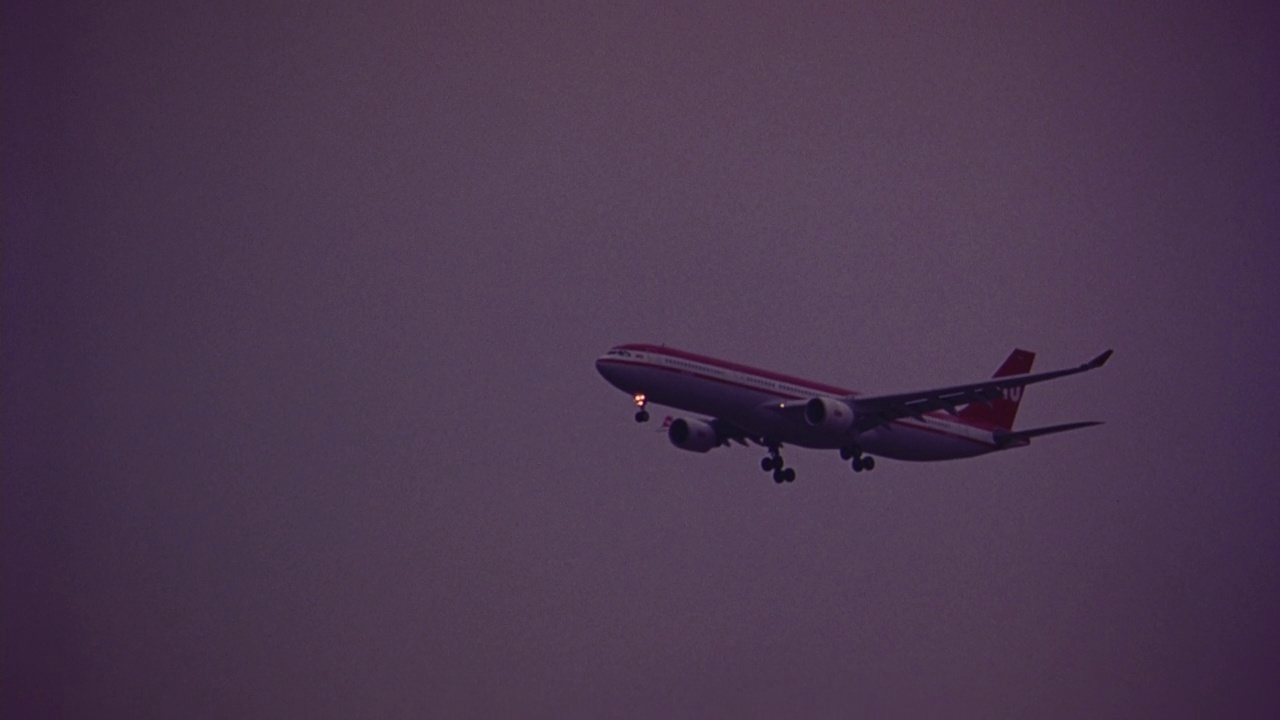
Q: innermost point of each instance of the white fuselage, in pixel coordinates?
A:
(749, 399)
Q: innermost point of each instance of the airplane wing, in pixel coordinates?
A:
(875, 410)
(726, 431)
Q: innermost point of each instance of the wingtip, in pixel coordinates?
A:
(1100, 360)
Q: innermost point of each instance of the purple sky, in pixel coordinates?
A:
(301, 303)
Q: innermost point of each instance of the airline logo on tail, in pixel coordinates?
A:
(1001, 412)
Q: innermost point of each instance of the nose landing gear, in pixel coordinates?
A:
(642, 415)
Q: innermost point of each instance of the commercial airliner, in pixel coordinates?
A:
(745, 405)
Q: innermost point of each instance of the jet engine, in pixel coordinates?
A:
(692, 435)
(828, 414)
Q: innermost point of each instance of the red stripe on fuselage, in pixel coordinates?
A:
(947, 433)
(702, 376)
(737, 367)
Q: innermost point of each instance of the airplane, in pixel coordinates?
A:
(743, 404)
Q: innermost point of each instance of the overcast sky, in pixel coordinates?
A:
(301, 302)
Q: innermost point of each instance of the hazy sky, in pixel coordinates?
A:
(301, 302)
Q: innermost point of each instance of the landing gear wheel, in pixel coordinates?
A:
(857, 464)
(772, 461)
(868, 463)
(642, 416)
(846, 453)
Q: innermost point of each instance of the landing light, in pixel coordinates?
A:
(639, 399)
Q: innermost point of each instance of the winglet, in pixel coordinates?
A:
(1098, 361)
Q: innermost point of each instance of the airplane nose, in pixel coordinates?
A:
(608, 370)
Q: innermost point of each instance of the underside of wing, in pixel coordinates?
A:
(727, 432)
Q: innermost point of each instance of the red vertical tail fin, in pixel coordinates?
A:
(1001, 411)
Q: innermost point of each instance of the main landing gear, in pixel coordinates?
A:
(860, 462)
(642, 415)
(774, 462)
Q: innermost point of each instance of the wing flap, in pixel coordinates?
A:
(727, 431)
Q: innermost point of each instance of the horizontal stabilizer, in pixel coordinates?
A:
(1006, 439)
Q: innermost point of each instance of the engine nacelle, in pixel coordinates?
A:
(692, 435)
(828, 414)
